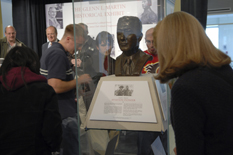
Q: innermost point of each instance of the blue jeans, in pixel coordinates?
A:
(70, 143)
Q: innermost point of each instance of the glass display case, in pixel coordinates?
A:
(97, 56)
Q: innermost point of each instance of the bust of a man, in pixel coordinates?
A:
(129, 34)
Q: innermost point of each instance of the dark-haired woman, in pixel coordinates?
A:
(30, 123)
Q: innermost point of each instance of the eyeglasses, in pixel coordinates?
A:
(13, 33)
(50, 34)
(149, 41)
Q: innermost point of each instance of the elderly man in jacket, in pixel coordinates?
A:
(9, 41)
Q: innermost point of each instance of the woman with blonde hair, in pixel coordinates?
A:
(201, 97)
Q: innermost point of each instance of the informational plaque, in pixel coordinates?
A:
(124, 101)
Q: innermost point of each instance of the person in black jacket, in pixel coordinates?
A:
(201, 97)
(29, 116)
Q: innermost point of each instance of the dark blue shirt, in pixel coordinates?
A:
(55, 64)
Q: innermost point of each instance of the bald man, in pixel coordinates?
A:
(51, 33)
(9, 41)
(151, 66)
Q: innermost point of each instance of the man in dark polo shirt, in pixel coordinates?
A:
(56, 67)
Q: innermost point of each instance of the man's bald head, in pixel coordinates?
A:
(149, 41)
(149, 33)
(10, 34)
(9, 27)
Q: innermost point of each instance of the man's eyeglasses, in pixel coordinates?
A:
(149, 42)
(50, 34)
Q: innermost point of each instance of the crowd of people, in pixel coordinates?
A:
(57, 66)
(38, 107)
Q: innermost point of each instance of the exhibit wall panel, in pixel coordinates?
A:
(103, 16)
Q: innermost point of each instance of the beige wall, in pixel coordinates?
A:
(177, 6)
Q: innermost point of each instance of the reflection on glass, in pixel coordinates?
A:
(213, 34)
(220, 31)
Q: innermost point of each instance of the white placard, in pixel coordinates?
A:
(124, 101)
(162, 91)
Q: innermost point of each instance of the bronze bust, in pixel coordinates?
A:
(129, 34)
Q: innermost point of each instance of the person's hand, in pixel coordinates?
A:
(78, 62)
(85, 78)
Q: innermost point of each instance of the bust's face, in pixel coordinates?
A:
(127, 36)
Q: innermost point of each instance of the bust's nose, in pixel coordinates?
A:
(122, 37)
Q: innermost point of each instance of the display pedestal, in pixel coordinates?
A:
(126, 103)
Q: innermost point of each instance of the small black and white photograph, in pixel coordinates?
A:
(148, 13)
(54, 15)
(123, 90)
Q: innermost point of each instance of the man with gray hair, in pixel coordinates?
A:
(9, 41)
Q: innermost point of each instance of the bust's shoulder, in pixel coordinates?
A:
(144, 55)
(120, 57)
